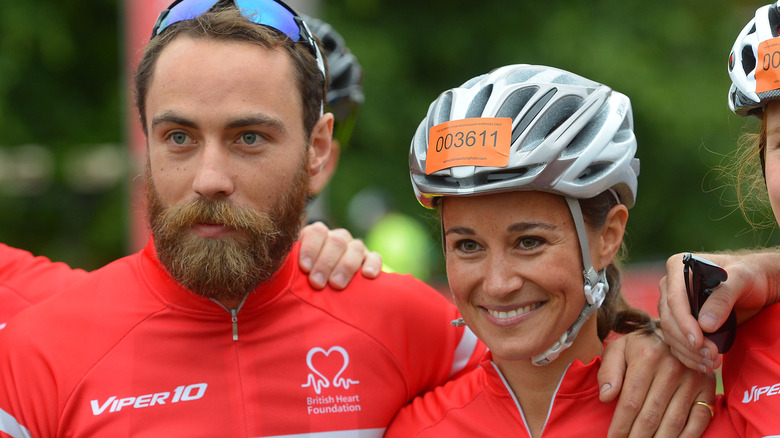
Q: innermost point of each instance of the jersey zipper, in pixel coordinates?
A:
(233, 314)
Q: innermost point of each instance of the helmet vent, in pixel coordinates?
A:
(592, 172)
(585, 136)
(554, 116)
(506, 175)
(442, 110)
(748, 60)
(515, 102)
(478, 103)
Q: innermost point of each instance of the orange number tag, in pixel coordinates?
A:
(469, 142)
(768, 68)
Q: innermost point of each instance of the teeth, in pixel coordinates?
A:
(513, 313)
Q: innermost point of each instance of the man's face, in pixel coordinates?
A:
(228, 163)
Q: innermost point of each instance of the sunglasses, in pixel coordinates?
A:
(271, 13)
(701, 277)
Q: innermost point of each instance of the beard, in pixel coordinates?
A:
(225, 268)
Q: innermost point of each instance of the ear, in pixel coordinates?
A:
(320, 180)
(320, 143)
(611, 236)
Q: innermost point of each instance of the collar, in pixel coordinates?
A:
(577, 380)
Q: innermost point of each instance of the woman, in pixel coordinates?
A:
(751, 369)
(533, 171)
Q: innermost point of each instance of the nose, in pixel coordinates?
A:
(213, 177)
(502, 277)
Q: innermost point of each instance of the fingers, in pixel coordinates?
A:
(634, 410)
(312, 237)
(612, 370)
(333, 256)
(681, 330)
(680, 418)
(700, 416)
(372, 265)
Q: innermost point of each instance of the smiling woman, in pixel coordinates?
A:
(533, 171)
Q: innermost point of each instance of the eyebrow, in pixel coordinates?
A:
(271, 123)
(517, 227)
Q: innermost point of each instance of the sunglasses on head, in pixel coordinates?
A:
(271, 13)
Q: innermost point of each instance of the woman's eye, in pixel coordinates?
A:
(528, 243)
(467, 245)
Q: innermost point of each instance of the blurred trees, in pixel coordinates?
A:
(61, 87)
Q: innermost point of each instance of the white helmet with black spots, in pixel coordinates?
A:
(345, 88)
(563, 134)
(754, 63)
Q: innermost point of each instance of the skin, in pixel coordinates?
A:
(753, 282)
(518, 252)
(240, 140)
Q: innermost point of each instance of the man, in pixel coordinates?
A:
(202, 334)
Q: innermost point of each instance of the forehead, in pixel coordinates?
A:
(206, 74)
(509, 207)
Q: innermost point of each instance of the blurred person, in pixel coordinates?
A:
(751, 368)
(212, 330)
(532, 170)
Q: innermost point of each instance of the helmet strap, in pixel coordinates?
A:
(595, 288)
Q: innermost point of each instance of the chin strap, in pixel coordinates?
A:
(596, 288)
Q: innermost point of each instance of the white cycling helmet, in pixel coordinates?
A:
(747, 96)
(569, 135)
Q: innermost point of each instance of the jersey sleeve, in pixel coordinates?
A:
(24, 371)
(26, 279)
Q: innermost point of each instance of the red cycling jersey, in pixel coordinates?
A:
(751, 379)
(129, 352)
(26, 280)
(480, 403)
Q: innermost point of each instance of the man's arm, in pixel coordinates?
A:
(656, 392)
(753, 283)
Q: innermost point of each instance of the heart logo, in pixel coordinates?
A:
(322, 365)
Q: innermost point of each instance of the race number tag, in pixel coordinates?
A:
(768, 68)
(469, 142)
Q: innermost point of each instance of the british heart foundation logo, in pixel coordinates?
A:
(327, 369)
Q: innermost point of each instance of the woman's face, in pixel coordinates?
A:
(773, 155)
(515, 268)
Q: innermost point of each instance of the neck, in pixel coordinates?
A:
(534, 386)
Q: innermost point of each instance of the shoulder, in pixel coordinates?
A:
(446, 410)
(391, 292)
(98, 304)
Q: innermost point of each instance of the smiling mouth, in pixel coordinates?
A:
(513, 313)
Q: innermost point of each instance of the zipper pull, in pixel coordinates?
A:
(234, 318)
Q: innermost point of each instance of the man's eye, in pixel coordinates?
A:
(179, 137)
(249, 138)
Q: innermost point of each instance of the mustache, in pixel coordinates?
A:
(215, 212)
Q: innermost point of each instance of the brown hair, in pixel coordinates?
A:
(227, 24)
(614, 314)
(745, 168)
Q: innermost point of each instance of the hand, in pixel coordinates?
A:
(656, 391)
(751, 285)
(334, 256)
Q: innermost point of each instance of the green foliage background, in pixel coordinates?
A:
(61, 86)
